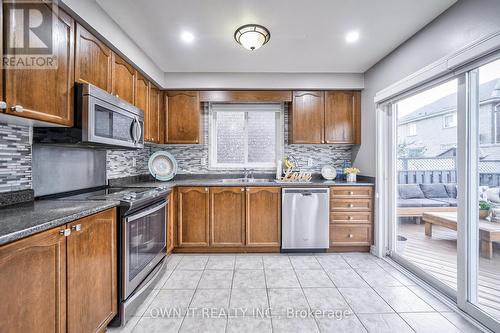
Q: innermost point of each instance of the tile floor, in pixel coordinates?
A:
(289, 293)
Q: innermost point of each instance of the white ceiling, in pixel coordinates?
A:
(306, 36)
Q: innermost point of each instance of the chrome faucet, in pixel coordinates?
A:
(247, 173)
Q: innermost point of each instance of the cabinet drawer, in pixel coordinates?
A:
(350, 217)
(351, 205)
(353, 192)
(350, 235)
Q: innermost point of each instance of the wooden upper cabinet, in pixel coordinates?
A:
(183, 117)
(263, 218)
(45, 94)
(33, 283)
(307, 117)
(92, 272)
(227, 216)
(342, 117)
(141, 99)
(123, 79)
(92, 60)
(193, 215)
(154, 115)
(162, 117)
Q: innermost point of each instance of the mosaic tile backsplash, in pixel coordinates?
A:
(193, 159)
(15, 158)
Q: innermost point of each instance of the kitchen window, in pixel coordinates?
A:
(246, 135)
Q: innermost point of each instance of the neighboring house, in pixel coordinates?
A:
(431, 130)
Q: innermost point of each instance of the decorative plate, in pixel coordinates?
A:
(328, 172)
(162, 165)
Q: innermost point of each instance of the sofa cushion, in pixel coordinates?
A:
(410, 191)
(493, 194)
(432, 191)
(451, 189)
(450, 201)
(421, 203)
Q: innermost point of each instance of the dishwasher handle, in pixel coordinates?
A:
(305, 191)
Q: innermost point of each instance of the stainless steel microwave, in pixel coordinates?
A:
(101, 120)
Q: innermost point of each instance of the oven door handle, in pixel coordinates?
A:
(153, 209)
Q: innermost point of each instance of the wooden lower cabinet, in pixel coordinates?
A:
(33, 284)
(351, 215)
(56, 283)
(193, 216)
(92, 276)
(227, 216)
(263, 216)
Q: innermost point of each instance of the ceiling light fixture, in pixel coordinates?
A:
(187, 37)
(252, 36)
(352, 37)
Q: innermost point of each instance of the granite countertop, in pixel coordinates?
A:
(210, 181)
(22, 220)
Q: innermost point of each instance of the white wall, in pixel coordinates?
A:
(97, 18)
(461, 24)
(264, 81)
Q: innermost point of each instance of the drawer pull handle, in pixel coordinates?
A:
(350, 205)
(350, 236)
(17, 108)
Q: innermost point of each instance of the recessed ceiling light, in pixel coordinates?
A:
(187, 37)
(352, 37)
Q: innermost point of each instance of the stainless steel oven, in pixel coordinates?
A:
(144, 244)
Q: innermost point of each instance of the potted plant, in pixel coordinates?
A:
(484, 209)
(351, 174)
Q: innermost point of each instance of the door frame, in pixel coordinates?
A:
(467, 157)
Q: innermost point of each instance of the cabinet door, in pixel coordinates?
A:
(227, 216)
(193, 205)
(263, 218)
(33, 284)
(307, 117)
(92, 276)
(45, 94)
(162, 118)
(154, 115)
(342, 117)
(183, 117)
(142, 101)
(123, 79)
(92, 60)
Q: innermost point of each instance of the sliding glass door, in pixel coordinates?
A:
(442, 185)
(426, 182)
(483, 232)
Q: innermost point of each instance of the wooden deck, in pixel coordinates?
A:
(438, 256)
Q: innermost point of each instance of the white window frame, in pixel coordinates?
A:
(246, 107)
(454, 121)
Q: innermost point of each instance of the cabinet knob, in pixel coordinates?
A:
(350, 205)
(351, 193)
(248, 190)
(206, 189)
(242, 189)
(349, 218)
(76, 227)
(350, 236)
(17, 108)
(65, 232)
(3, 105)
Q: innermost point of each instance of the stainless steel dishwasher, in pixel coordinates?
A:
(305, 219)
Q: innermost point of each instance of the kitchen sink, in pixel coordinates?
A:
(245, 180)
